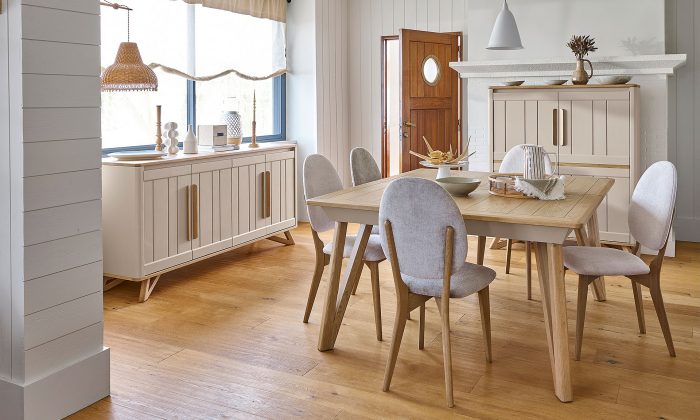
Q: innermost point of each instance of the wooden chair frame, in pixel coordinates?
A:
(407, 301)
(652, 280)
(322, 260)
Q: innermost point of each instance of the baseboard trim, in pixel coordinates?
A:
(61, 393)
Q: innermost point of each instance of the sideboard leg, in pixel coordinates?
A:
(288, 239)
(147, 287)
(110, 283)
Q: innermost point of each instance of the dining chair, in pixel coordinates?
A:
(363, 167)
(427, 248)
(650, 215)
(320, 177)
(514, 162)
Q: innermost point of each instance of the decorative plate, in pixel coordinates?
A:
(555, 82)
(138, 155)
(513, 82)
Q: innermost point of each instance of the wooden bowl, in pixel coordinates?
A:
(459, 186)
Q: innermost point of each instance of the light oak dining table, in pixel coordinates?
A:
(547, 224)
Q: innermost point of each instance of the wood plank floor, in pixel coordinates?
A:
(224, 338)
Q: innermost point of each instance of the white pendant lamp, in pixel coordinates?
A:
(505, 35)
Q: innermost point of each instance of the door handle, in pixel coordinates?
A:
(189, 212)
(195, 212)
(555, 126)
(562, 137)
(408, 124)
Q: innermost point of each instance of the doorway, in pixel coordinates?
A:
(391, 106)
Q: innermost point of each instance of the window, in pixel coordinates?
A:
(182, 38)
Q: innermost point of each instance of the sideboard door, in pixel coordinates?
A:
(166, 212)
(212, 221)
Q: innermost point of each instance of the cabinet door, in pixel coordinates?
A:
(212, 215)
(246, 195)
(280, 188)
(166, 215)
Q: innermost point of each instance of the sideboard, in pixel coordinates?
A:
(591, 130)
(161, 215)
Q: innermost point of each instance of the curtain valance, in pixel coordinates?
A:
(266, 9)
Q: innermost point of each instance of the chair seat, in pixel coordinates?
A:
(469, 279)
(598, 261)
(373, 252)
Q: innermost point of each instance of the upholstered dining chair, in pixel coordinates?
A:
(427, 248)
(513, 162)
(363, 167)
(320, 177)
(650, 215)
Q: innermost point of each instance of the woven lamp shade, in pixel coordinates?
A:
(128, 71)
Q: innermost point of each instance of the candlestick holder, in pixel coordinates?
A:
(159, 135)
(253, 139)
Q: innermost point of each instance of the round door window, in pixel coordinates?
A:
(431, 70)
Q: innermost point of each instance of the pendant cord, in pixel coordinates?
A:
(128, 25)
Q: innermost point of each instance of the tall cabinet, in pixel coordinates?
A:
(161, 215)
(589, 130)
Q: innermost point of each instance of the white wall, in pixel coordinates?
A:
(51, 56)
(683, 36)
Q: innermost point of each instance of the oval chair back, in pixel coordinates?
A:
(320, 177)
(652, 205)
(514, 162)
(363, 167)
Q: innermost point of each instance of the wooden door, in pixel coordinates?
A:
(430, 106)
(166, 216)
(212, 219)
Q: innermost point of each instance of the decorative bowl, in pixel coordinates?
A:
(554, 82)
(613, 80)
(513, 82)
(459, 186)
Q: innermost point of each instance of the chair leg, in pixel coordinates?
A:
(446, 354)
(510, 248)
(583, 282)
(421, 328)
(637, 291)
(399, 326)
(663, 320)
(528, 268)
(374, 271)
(485, 308)
(315, 281)
(354, 289)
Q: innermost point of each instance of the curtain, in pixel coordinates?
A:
(250, 44)
(267, 9)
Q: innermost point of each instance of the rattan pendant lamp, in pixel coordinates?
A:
(128, 71)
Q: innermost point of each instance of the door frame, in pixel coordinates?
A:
(385, 139)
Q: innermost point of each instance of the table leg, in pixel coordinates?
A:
(551, 273)
(481, 248)
(339, 292)
(598, 284)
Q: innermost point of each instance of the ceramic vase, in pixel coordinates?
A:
(190, 143)
(580, 76)
(233, 127)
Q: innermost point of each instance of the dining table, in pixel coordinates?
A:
(547, 224)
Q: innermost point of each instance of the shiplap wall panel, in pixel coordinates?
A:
(49, 24)
(61, 189)
(47, 291)
(52, 91)
(63, 319)
(368, 21)
(83, 6)
(62, 254)
(52, 355)
(61, 156)
(61, 222)
(47, 124)
(49, 58)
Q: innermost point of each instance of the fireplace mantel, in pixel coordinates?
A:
(664, 65)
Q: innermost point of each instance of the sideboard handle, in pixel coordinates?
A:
(189, 212)
(195, 212)
(555, 128)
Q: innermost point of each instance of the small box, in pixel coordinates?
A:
(211, 135)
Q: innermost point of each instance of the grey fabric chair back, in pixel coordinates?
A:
(363, 167)
(420, 212)
(652, 205)
(320, 177)
(514, 161)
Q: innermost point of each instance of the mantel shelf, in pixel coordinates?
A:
(664, 64)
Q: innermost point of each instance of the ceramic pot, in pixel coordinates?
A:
(580, 77)
(190, 143)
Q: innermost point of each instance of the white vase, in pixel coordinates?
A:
(190, 143)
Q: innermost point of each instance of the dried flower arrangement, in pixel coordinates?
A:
(581, 45)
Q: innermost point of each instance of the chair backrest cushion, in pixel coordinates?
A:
(420, 212)
(363, 167)
(320, 177)
(514, 161)
(652, 205)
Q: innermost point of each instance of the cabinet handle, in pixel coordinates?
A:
(555, 126)
(562, 137)
(195, 212)
(268, 204)
(189, 212)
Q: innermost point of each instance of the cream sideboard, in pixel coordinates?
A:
(593, 130)
(160, 215)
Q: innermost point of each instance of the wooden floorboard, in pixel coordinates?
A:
(224, 338)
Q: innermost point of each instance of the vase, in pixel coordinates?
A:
(233, 127)
(580, 76)
(190, 143)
